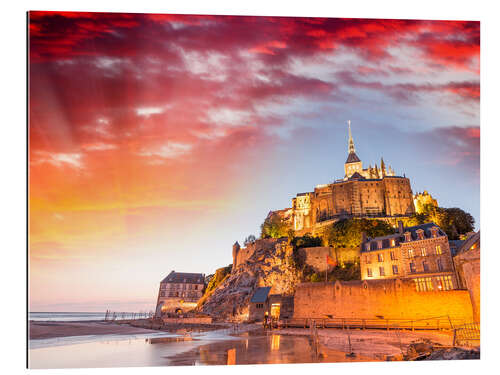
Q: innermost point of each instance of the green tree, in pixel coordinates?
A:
(348, 232)
(456, 222)
(273, 227)
(453, 221)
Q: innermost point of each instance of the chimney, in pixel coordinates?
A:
(400, 227)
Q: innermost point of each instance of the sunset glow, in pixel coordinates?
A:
(156, 141)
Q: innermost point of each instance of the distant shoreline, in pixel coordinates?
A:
(39, 329)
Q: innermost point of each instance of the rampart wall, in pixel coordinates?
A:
(390, 299)
(316, 256)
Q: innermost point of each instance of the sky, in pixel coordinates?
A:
(156, 141)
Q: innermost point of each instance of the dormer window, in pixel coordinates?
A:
(379, 244)
(407, 236)
(367, 246)
(420, 234)
(393, 242)
(434, 231)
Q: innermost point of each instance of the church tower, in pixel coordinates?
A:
(353, 164)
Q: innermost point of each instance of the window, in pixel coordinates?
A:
(369, 272)
(259, 305)
(380, 257)
(162, 294)
(393, 255)
(407, 236)
(395, 270)
(423, 284)
(444, 283)
(393, 242)
(196, 287)
(440, 264)
(438, 250)
(368, 259)
(420, 234)
(411, 253)
(425, 265)
(381, 271)
(367, 246)
(379, 244)
(423, 252)
(413, 269)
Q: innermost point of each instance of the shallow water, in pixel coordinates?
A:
(207, 348)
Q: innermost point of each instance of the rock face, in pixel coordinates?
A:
(267, 266)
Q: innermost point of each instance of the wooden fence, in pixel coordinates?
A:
(434, 323)
(467, 334)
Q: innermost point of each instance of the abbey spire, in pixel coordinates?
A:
(353, 164)
(351, 142)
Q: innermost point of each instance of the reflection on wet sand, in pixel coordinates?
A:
(260, 349)
(211, 348)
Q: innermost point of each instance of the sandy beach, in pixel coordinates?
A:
(45, 330)
(376, 344)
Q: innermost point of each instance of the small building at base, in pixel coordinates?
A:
(276, 306)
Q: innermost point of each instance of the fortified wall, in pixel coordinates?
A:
(390, 299)
(316, 256)
(241, 255)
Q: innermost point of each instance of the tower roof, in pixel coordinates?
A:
(352, 157)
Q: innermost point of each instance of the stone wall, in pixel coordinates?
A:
(316, 256)
(390, 299)
(390, 196)
(468, 266)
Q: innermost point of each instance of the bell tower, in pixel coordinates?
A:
(353, 164)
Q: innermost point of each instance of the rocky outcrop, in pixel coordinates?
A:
(267, 266)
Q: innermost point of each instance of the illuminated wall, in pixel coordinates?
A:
(391, 299)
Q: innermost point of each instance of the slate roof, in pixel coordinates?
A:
(400, 237)
(352, 158)
(184, 277)
(467, 244)
(260, 295)
(355, 176)
(426, 228)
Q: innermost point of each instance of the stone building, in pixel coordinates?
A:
(468, 266)
(363, 192)
(420, 253)
(179, 292)
(276, 306)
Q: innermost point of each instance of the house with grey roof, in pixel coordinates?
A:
(421, 253)
(179, 292)
(276, 306)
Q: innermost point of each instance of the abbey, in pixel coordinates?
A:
(370, 192)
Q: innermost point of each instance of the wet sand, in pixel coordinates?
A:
(376, 344)
(259, 347)
(45, 330)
